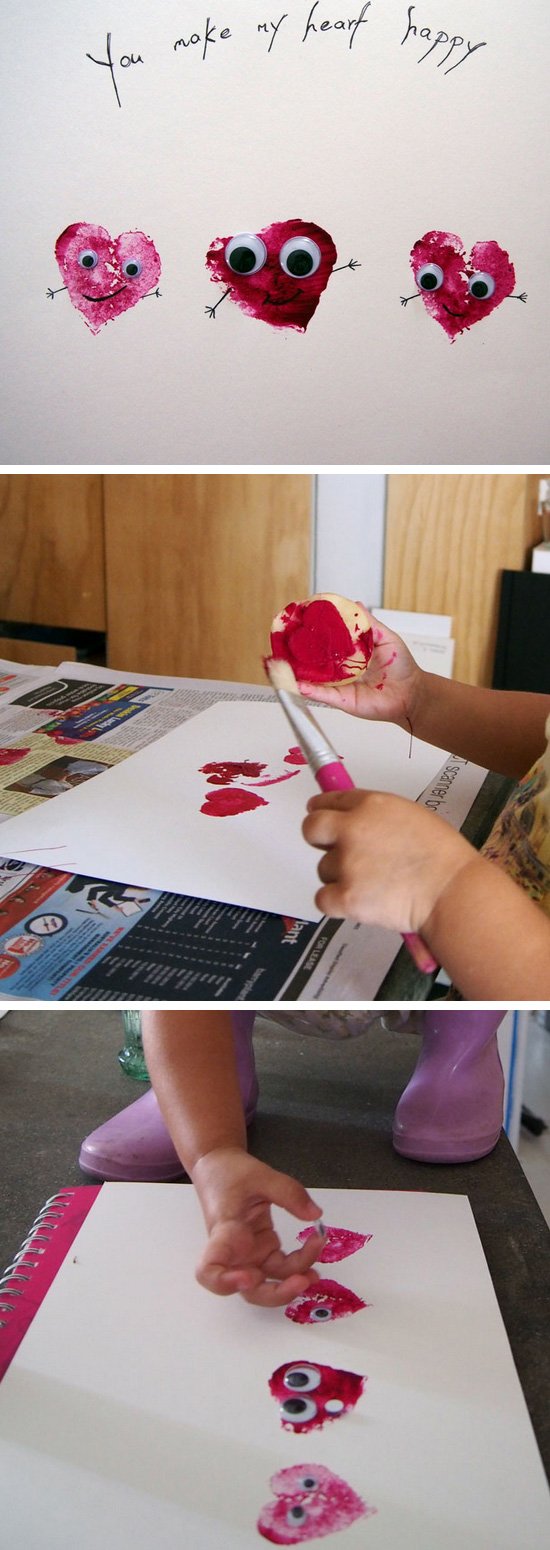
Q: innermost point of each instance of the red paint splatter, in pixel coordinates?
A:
(324, 1301)
(451, 302)
(295, 756)
(105, 275)
(317, 643)
(338, 1243)
(222, 772)
(275, 779)
(310, 1501)
(310, 1394)
(226, 802)
(270, 293)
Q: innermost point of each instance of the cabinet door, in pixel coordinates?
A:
(198, 564)
(51, 547)
(448, 537)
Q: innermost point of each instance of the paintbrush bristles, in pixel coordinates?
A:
(281, 675)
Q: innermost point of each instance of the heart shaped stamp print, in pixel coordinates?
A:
(309, 1502)
(460, 289)
(105, 275)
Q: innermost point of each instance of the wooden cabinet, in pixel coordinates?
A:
(448, 538)
(198, 564)
(52, 567)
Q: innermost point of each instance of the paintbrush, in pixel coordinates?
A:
(326, 765)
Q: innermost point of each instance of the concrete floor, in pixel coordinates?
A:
(325, 1116)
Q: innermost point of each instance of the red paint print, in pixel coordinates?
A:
(338, 1243)
(316, 641)
(276, 275)
(223, 772)
(324, 1301)
(310, 1502)
(460, 290)
(310, 1394)
(105, 275)
(295, 756)
(227, 802)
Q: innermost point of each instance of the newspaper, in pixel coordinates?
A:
(65, 937)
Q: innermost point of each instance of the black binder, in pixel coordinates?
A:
(522, 654)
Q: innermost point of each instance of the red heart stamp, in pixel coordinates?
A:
(338, 1243)
(459, 290)
(323, 1301)
(310, 1394)
(105, 275)
(309, 1502)
(277, 274)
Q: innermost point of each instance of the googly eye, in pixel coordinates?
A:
(334, 1406)
(298, 1408)
(308, 1483)
(296, 1514)
(300, 257)
(303, 1378)
(132, 267)
(481, 285)
(246, 253)
(319, 1314)
(88, 259)
(429, 277)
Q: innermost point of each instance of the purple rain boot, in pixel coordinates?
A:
(452, 1109)
(135, 1145)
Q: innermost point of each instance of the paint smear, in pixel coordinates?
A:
(310, 1394)
(295, 756)
(338, 1243)
(452, 299)
(309, 1502)
(228, 801)
(314, 638)
(293, 261)
(222, 772)
(105, 275)
(324, 1301)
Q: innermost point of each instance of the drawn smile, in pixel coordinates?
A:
(283, 301)
(109, 295)
(453, 314)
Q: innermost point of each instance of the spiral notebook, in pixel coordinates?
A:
(137, 1410)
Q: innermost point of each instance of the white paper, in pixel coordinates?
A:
(377, 143)
(137, 1407)
(141, 822)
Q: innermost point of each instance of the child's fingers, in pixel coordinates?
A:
(274, 1294)
(321, 830)
(330, 902)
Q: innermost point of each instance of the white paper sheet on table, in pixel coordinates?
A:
(141, 822)
(137, 1408)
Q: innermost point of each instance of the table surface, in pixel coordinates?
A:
(325, 1116)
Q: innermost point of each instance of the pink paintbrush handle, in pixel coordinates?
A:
(334, 777)
(420, 954)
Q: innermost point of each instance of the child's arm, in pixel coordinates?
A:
(191, 1062)
(499, 728)
(390, 862)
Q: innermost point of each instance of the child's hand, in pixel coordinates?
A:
(243, 1253)
(388, 691)
(387, 859)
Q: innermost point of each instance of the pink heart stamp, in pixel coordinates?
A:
(310, 1502)
(310, 1393)
(277, 274)
(323, 1301)
(457, 289)
(105, 275)
(338, 1243)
